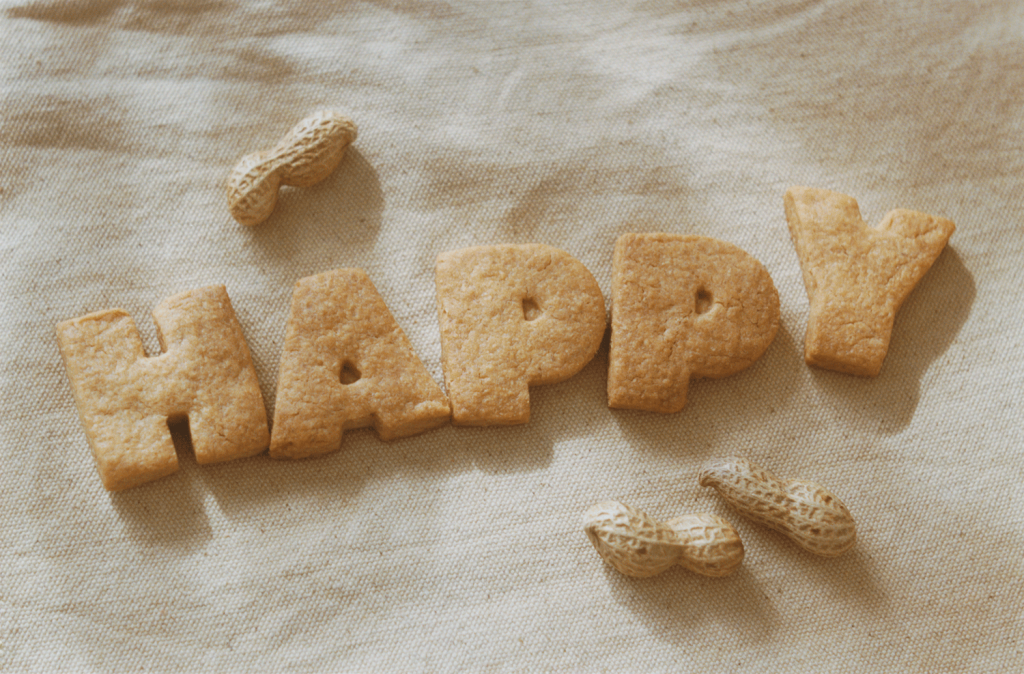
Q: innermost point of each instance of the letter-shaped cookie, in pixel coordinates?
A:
(125, 399)
(512, 316)
(346, 364)
(683, 307)
(857, 277)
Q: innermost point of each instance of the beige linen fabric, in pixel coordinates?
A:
(560, 123)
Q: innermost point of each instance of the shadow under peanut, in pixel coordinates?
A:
(925, 327)
(852, 578)
(672, 603)
(319, 227)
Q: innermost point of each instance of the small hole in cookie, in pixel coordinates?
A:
(530, 309)
(349, 374)
(704, 301)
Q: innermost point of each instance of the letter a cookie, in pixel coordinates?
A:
(346, 364)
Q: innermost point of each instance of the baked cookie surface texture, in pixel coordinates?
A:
(683, 307)
(125, 399)
(347, 364)
(511, 317)
(857, 277)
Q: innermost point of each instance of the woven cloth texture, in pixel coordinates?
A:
(563, 123)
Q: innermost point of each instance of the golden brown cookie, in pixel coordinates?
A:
(346, 364)
(511, 317)
(857, 276)
(126, 399)
(683, 307)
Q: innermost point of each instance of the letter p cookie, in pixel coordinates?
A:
(683, 307)
(511, 317)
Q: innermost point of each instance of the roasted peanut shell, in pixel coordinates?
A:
(640, 546)
(804, 511)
